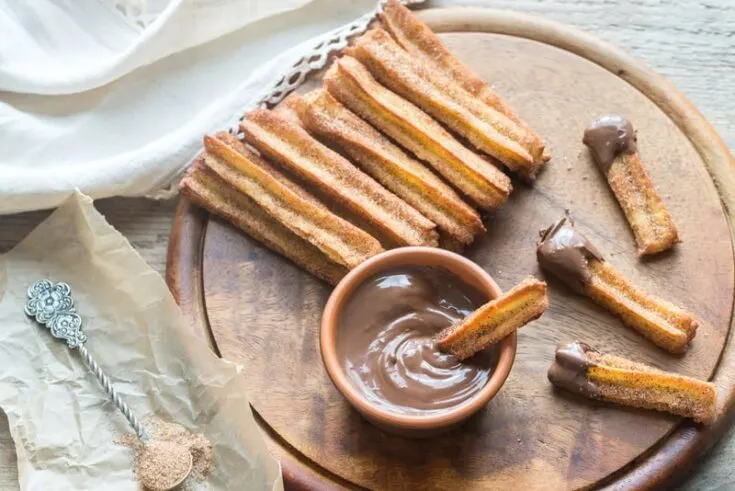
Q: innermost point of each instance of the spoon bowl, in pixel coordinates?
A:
(176, 483)
(183, 478)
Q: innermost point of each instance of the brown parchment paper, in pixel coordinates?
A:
(61, 420)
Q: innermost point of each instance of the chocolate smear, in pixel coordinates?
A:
(565, 252)
(608, 137)
(569, 370)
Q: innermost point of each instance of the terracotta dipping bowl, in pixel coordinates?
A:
(411, 425)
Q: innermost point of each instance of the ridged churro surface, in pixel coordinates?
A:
(210, 192)
(667, 325)
(495, 320)
(351, 83)
(336, 125)
(612, 143)
(440, 96)
(282, 140)
(565, 252)
(583, 370)
(419, 40)
(338, 239)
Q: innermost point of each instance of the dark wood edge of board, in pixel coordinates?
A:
(671, 458)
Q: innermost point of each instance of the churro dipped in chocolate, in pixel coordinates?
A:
(351, 83)
(286, 203)
(495, 320)
(420, 41)
(325, 117)
(289, 144)
(210, 192)
(440, 96)
(581, 369)
(612, 143)
(570, 256)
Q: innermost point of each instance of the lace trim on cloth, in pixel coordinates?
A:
(313, 60)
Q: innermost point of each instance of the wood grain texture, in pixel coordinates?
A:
(529, 436)
(691, 43)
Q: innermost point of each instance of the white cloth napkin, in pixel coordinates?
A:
(113, 96)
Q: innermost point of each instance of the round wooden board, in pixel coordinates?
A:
(260, 310)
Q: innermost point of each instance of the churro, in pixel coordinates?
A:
(495, 320)
(581, 369)
(570, 256)
(612, 143)
(289, 144)
(351, 83)
(440, 96)
(325, 117)
(341, 241)
(419, 40)
(210, 192)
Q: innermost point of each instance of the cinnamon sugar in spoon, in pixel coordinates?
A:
(51, 305)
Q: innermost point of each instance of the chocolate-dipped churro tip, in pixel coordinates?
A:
(569, 369)
(564, 251)
(608, 137)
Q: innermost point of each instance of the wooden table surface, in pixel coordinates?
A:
(690, 42)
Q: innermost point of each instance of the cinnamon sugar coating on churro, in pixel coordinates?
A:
(210, 192)
(324, 116)
(484, 127)
(667, 325)
(612, 143)
(495, 320)
(290, 145)
(419, 40)
(583, 370)
(351, 83)
(341, 241)
(570, 256)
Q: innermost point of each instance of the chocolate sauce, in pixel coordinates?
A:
(385, 340)
(564, 251)
(607, 138)
(569, 370)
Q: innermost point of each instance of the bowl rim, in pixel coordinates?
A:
(329, 326)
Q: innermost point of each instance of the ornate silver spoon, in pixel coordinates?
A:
(52, 305)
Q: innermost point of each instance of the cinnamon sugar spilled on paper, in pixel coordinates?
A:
(161, 460)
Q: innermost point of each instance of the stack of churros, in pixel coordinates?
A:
(375, 159)
(353, 85)
(327, 118)
(207, 190)
(486, 129)
(249, 192)
(420, 41)
(287, 143)
(411, 60)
